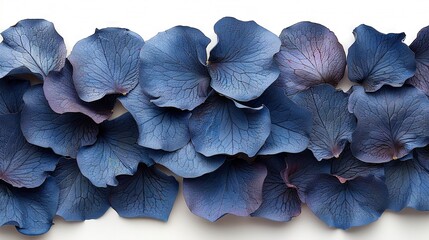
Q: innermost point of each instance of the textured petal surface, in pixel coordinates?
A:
(310, 55)
(347, 167)
(377, 59)
(173, 68)
(222, 126)
(159, 128)
(64, 133)
(344, 205)
(62, 96)
(11, 92)
(408, 182)
(398, 119)
(186, 162)
(241, 64)
(22, 164)
(115, 152)
(32, 45)
(106, 62)
(280, 202)
(79, 199)
(333, 125)
(149, 193)
(31, 210)
(290, 123)
(420, 47)
(235, 188)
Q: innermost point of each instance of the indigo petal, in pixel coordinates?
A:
(159, 128)
(62, 96)
(64, 133)
(79, 199)
(222, 126)
(31, 210)
(398, 119)
(420, 47)
(241, 64)
(377, 59)
(149, 193)
(106, 63)
(173, 68)
(11, 92)
(186, 162)
(22, 164)
(280, 202)
(310, 55)
(333, 125)
(235, 188)
(115, 152)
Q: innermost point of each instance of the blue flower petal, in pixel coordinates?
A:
(223, 126)
(159, 128)
(62, 96)
(186, 162)
(173, 68)
(115, 152)
(344, 205)
(408, 182)
(235, 188)
(79, 199)
(390, 123)
(241, 64)
(310, 55)
(333, 125)
(31, 210)
(148, 193)
(64, 133)
(280, 202)
(377, 59)
(106, 63)
(22, 164)
(32, 45)
(11, 92)
(420, 47)
(290, 124)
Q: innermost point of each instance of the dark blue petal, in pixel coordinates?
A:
(280, 202)
(344, 205)
(391, 123)
(186, 162)
(106, 63)
(301, 169)
(159, 128)
(377, 59)
(31, 210)
(115, 152)
(173, 68)
(310, 55)
(348, 167)
(234, 188)
(223, 126)
(408, 182)
(32, 45)
(11, 92)
(63, 98)
(64, 133)
(148, 193)
(79, 199)
(290, 123)
(22, 164)
(241, 64)
(333, 125)
(420, 47)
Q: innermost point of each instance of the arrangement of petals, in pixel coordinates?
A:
(254, 126)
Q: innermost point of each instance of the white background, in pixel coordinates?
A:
(75, 19)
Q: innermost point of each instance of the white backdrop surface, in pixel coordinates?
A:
(76, 19)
